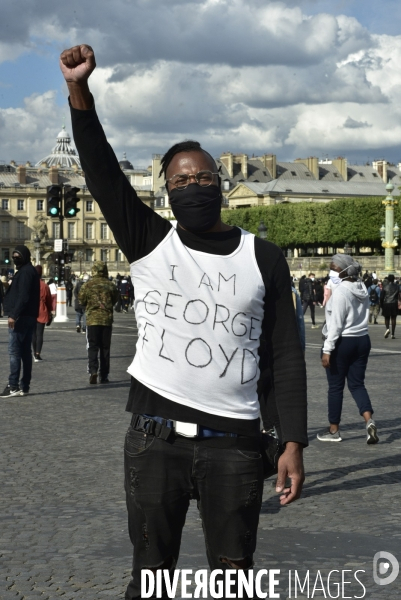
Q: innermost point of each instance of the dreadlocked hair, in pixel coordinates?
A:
(187, 146)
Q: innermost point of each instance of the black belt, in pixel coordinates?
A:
(163, 428)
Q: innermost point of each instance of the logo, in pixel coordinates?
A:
(382, 562)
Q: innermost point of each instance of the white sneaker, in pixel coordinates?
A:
(387, 333)
(327, 436)
(371, 430)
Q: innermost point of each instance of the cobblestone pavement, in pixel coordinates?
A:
(63, 526)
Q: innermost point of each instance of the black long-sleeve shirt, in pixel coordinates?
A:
(138, 230)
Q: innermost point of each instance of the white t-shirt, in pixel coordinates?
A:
(199, 321)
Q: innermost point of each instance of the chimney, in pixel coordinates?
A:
(269, 161)
(341, 165)
(21, 174)
(157, 182)
(381, 166)
(244, 165)
(53, 175)
(228, 161)
(311, 163)
(313, 166)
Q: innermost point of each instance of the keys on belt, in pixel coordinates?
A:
(163, 428)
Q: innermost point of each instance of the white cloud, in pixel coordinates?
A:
(236, 75)
(29, 132)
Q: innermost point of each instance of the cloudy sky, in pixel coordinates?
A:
(295, 78)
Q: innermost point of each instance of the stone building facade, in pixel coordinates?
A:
(23, 211)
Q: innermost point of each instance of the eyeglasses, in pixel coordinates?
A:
(181, 180)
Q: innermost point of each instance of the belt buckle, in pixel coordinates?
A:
(142, 423)
(189, 430)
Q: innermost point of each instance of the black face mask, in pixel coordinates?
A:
(18, 261)
(196, 208)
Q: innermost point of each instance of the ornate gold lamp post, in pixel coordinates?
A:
(389, 232)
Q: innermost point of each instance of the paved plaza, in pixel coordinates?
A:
(63, 531)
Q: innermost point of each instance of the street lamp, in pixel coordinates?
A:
(391, 231)
(262, 231)
(36, 243)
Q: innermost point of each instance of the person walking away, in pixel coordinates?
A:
(80, 316)
(21, 305)
(301, 285)
(319, 292)
(69, 287)
(389, 304)
(309, 297)
(346, 347)
(98, 296)
(44, 317)
(374, 301)
(53, 291)
(124, 293)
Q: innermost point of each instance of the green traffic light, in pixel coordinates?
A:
(72, 212)
(54, 210)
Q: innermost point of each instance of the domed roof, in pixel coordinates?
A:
(125, 164)
(63, 135)
(63, 154)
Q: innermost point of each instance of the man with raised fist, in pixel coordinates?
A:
(209, 300)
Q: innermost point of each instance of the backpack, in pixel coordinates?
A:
(373, 296)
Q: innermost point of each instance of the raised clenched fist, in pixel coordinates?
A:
(77, 63)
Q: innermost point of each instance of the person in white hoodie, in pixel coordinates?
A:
(346, 346)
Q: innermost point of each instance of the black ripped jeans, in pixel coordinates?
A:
(224, 475)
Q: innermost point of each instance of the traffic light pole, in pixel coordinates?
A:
(61, 202)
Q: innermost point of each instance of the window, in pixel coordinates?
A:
(118, 255)
(71, 231)
(89, 255)
(20, 230)
(5, 204)
(89, 231)
(20, 204)
(159, 202)
(89, 206)
(104, 254)
(5, 230)
(375, 175)
(56, 231)
(104, 231)
(293, 173)
(39, 204)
